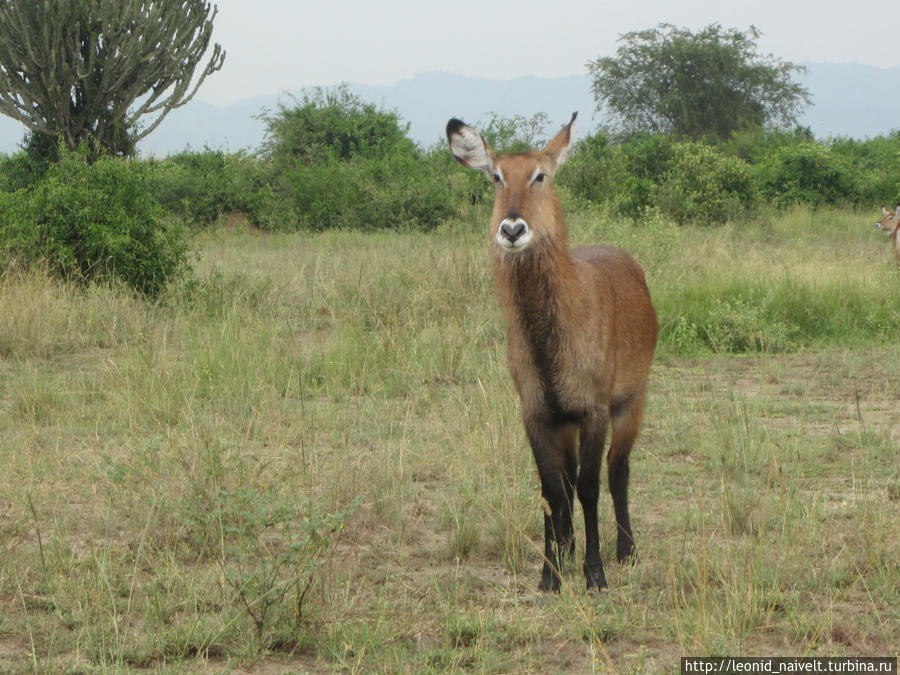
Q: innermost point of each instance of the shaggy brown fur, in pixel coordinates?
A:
(581, 332)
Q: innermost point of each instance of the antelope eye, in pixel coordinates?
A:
(496, 178)
(539, 178)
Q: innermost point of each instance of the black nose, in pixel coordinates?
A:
(512, 231)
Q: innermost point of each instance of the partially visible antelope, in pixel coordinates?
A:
(581, 331)
(890, 223)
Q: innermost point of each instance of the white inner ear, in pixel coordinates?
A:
(566, 151)
(467, 145)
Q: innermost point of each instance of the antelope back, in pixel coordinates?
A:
(526, 211)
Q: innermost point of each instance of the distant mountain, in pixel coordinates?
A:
(194, 126)
(427, 101)
(847, 100)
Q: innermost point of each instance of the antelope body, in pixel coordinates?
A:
(581, 331)
(890, 223)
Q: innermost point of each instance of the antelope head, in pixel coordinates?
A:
(526, 210)
(890, 220)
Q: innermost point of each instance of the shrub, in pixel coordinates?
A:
(392, 192)
(807, 173)
(878, 162)
(462, 187)
(92, 222)
(29, 165)
(755, 144)
(16, 172)
(332, 124)
(701, 185)
(199, 187)
(334, 161)
(595, 173)
(646, 159)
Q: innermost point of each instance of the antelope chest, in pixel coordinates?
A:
(552, 378)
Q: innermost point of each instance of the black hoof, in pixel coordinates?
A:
(549, 585)
(595, 580)
(626, 553)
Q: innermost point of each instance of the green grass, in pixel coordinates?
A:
(309, 458)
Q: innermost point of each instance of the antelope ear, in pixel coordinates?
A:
(469, 147)
(885, 212)
(560, 147)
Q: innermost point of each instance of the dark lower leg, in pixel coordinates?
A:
(592, 439)
(554, 454)
(618, 487)
(559, 541)
(593, 565)
(566, 534)
(625, 431)
(550, 579)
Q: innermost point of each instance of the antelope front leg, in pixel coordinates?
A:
(554, 454)
(593, 436)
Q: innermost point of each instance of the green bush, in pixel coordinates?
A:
(93, 222)
(878, 162)
(623, 174)
(200, 187)
(595, 173)
(707, 184)
(332, 125)
(334, 161)
(393, 192)
(701, 185)
(754, 145)
(646, 159)
(29, 165)
(807, 173)
(16, 172)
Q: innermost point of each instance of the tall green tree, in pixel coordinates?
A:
(333, 124)
(695, 85)
(102, 72)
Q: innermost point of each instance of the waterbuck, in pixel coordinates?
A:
(581, 331)
(890, 223)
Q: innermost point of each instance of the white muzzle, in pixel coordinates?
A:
(513, 234)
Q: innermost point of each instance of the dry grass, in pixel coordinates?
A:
(172, 473)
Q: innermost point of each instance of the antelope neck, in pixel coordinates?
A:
(536, 307)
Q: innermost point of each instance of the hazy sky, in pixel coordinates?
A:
(275, 46)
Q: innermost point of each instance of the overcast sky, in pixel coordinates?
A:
(276, 46)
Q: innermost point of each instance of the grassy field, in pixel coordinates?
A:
(309, 458)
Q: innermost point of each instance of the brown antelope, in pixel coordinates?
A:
(890, 223)
(581, 331)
